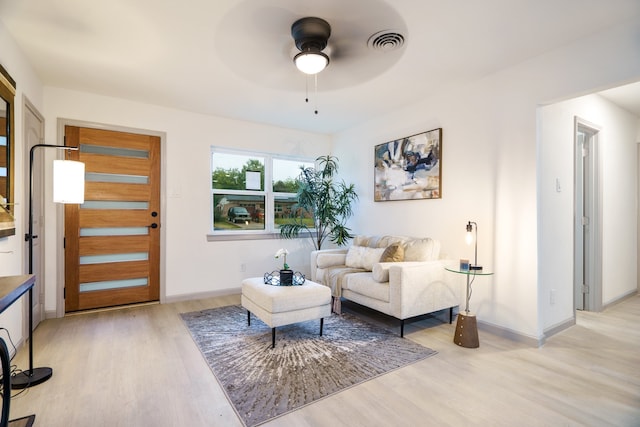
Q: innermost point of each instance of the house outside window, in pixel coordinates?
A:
(253, 192)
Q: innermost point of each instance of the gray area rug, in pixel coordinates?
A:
(263, 383)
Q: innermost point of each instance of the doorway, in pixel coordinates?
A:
(34, 134)
(587, 219)
(112, 240)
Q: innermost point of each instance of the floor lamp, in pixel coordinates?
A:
(68, 187)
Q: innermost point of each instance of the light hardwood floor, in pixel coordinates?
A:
(139, 367)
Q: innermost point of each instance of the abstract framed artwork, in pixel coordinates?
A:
(409, 168)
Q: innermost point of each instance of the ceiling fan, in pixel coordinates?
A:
(311, 36)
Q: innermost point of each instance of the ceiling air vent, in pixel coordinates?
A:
(386, 41)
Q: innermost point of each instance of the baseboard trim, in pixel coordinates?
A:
(549, 332)
(510, 334)
(202, 295)
(618, 300)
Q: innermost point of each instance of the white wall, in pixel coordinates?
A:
(617, 140)
(27, 84)
(13, 248)
(488, 177)
(491, 174)
(192, 265)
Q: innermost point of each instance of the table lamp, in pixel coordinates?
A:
(471, 226)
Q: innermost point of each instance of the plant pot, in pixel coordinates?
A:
(286, 277)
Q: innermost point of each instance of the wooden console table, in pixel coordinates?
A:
(13, 287)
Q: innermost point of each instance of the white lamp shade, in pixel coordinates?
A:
(469, 238)
(311, 62)
(68, 181)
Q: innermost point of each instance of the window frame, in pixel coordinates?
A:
(270, 230)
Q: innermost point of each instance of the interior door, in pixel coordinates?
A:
(112, 241)
(583, 216)
(587, 244)
(34, 134)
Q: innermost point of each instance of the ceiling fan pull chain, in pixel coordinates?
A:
(306, 89)
(315, 77)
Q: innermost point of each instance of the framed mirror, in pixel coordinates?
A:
(7, 172)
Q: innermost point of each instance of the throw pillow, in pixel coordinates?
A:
(363, 257)
(393, 253)
(422, 250)
(354, 256)
(371, 257)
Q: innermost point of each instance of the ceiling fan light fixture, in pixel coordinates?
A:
(311, 35)
(311, 61)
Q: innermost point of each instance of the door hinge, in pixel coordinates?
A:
(64, 243)
(585, 220)
(64, 293)
(585, 289)
(585, 150)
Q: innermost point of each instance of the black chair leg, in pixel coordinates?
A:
(450, 315)
(248, 318)
(321, 325)
(6, 382)
(273, 337)
(401, 328)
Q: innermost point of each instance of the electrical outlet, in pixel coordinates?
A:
(243, 267)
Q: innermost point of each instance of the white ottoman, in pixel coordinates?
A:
(283, 305)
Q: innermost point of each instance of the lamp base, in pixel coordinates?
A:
(31, 377)
(475, 267)
(466, 334)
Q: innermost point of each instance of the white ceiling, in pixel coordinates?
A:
(627, 97)
(233, 58)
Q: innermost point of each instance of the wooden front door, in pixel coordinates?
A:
(112, 241)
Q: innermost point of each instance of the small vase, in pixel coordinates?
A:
(286, 277)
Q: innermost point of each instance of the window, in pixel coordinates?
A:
(252, 192)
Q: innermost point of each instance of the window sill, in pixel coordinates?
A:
(246, 236)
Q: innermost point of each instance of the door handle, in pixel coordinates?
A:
(154, 225)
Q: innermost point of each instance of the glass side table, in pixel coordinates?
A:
(466, 334)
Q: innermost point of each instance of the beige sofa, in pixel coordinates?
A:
(400, 276)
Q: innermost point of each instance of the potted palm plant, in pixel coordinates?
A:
(326, 201)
